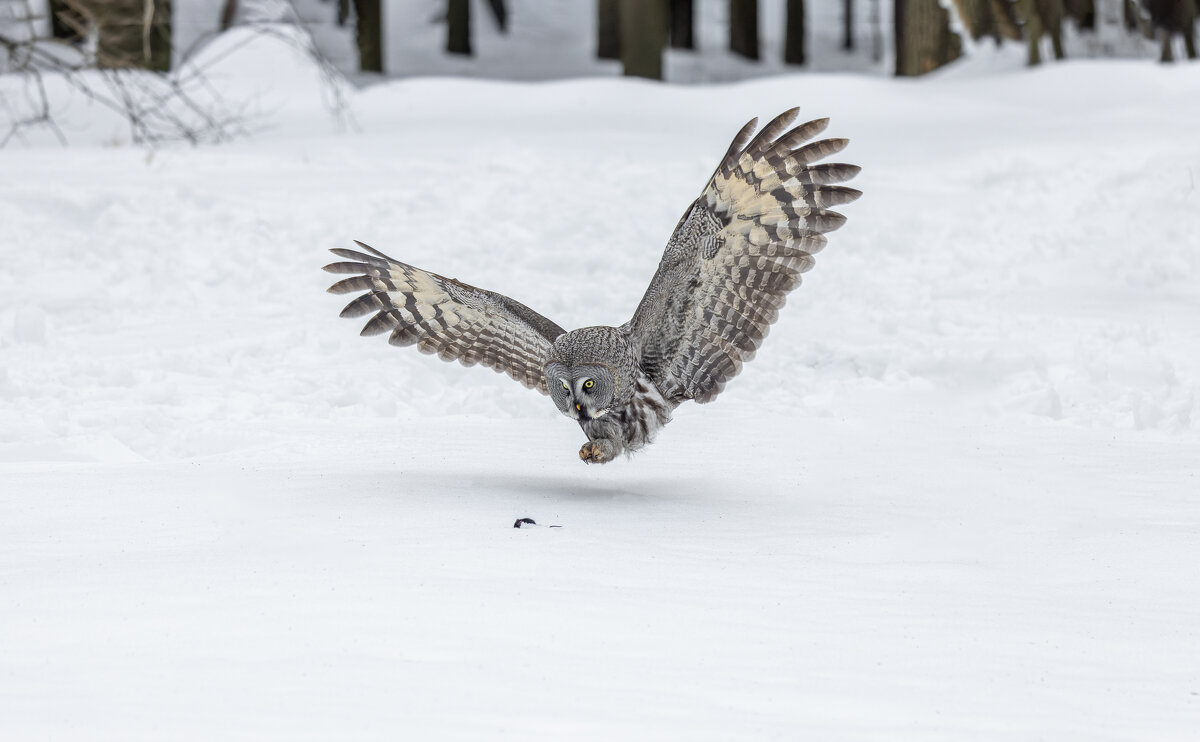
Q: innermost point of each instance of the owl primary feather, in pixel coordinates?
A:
(725, 274)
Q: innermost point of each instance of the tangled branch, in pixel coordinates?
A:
(158, 107)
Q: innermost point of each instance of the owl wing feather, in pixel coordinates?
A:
(445, 316)
(736, 253)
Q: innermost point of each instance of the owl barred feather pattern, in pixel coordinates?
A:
(725, 274)
(737, 252)
(445, 316)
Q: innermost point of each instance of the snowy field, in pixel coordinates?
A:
(954, 498)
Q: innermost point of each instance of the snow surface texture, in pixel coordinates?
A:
(954, 498)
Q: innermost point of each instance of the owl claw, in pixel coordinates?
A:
(596, 452)
(590, 453)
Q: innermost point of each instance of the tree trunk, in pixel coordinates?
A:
(793, 43)
(1004, 13)
(1052, 13)
(1083, 12)
(458, 27)
(1172, 17)
(1188, 19)
(979, 17)
(228, 14)
(131, 33)
(369, 29)
(1042, 17)
(975, 15)
(1033, 33)
(1131, 14)
(848, 25)
(608, 29)
(924, 40)
(643, 37)
(683, 24)
(743, 28)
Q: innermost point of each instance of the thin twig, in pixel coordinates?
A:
(181, 105)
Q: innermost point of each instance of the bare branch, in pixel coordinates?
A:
(159, 107)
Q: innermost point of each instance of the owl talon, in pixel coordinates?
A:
(598, 452)
(589, 453)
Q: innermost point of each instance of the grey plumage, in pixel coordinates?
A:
(725, 274)
(445, 316)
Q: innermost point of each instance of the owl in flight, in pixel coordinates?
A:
(725, 273)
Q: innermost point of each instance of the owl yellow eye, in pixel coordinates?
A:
(589, 384)
(565, 385)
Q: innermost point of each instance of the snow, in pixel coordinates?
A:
(953, 498)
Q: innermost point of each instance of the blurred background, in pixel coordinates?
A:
(122, 53)
(673, 40)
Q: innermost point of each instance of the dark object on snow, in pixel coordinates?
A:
(529, 522)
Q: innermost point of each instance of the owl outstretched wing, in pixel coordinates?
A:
(736, 253)
(445, 316)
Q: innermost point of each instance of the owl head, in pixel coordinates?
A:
(583, 392)
(588, 372)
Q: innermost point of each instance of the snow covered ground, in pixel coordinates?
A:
(954, 498)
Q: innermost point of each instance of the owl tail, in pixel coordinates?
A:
(769, 191)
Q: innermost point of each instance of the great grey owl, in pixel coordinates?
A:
(726, 271)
